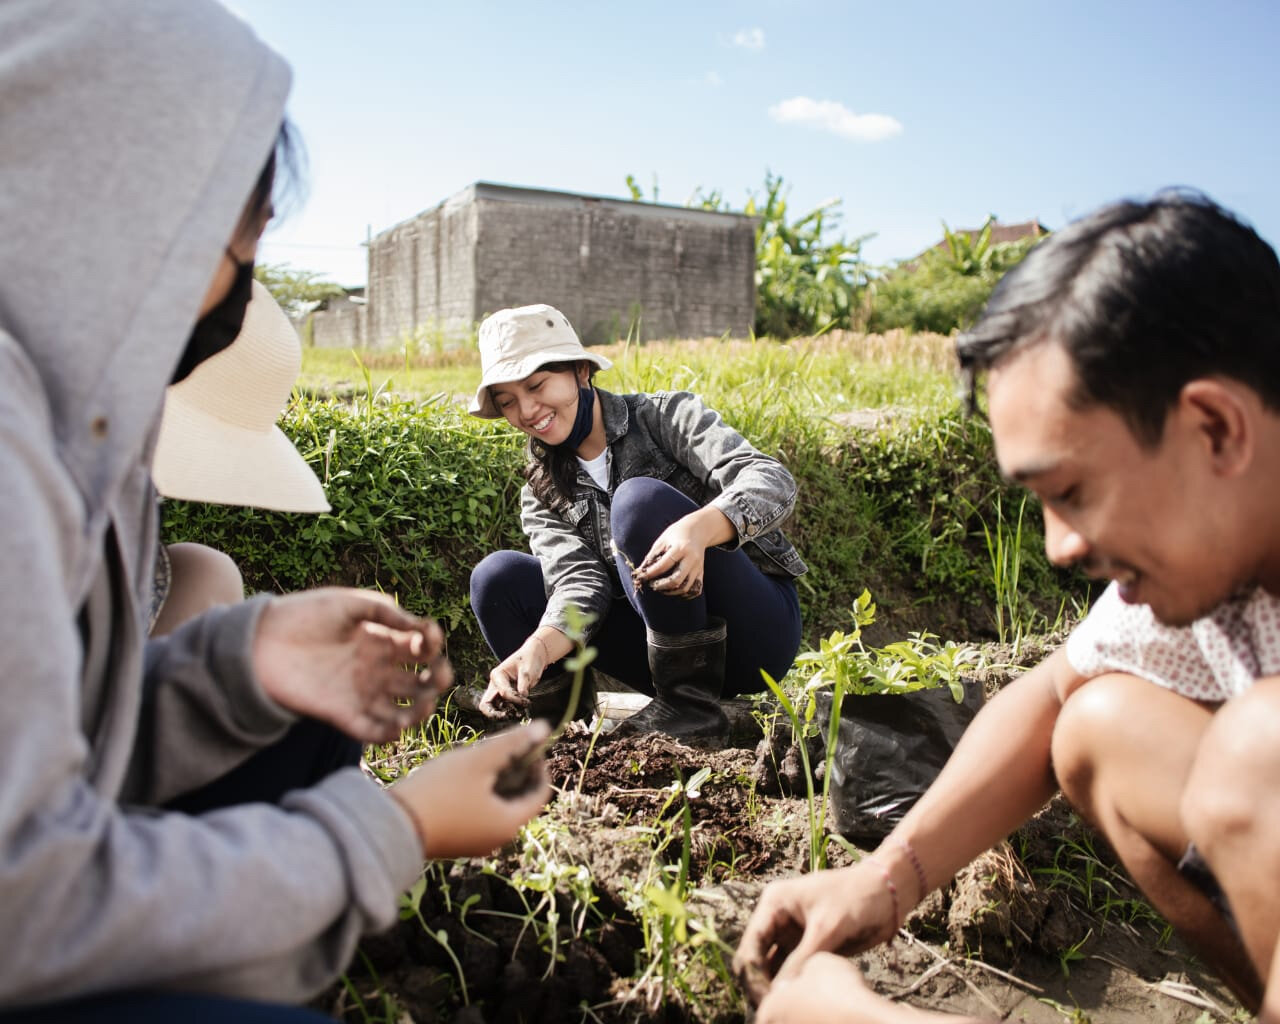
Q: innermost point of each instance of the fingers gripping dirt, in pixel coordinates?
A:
(452, 800)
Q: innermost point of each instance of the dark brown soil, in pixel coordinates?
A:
(557, 931)
(1044, 928)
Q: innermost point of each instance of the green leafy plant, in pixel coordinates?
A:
(944, 288)
(831, 668)
(297, 291)
(808, 280)
(1004, 548)
(844, 664)
(411, 907)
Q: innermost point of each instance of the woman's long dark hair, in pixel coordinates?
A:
(551, 471)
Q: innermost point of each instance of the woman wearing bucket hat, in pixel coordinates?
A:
(139, 140)
(647, 512)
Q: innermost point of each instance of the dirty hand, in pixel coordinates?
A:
(515, 676)
(675, 562)
(348, 657)
(827, 990)
(842, 911)
(451, 798)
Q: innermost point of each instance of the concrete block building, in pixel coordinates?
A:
(611, 265)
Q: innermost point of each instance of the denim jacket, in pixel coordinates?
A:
(672, 436)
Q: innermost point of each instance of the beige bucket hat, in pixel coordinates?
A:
(218, 439)
(515, 342)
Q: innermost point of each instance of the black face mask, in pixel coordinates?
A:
(218, 328)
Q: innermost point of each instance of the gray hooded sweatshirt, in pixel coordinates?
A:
(131, 134)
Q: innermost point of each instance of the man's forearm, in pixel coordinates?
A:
(999, 775)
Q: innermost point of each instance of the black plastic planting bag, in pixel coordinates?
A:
(889, 749)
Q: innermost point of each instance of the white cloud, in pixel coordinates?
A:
(713, 80)
(836, 118)
(749, 38)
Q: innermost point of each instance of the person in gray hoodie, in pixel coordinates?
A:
(131, 138)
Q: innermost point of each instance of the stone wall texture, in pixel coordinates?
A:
(422, 275)
(614, 267)
(338, 328)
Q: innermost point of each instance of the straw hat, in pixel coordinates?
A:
(515, 342)
(218, 439)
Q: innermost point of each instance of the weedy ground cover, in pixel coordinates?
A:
(625, 899)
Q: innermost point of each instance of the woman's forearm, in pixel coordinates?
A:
(554, 643)
(711, 526)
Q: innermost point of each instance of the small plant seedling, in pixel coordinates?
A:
(639, 582)
(518, 777)
(636, 581)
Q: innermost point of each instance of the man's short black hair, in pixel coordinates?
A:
(1143, 297)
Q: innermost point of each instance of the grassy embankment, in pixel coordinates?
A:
(898, 492)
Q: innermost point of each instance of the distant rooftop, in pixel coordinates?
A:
(1002, 232)
(489, 190)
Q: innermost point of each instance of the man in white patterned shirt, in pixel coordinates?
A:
(1132, 365)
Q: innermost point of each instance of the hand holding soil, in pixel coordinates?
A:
(828, 990)
(664, 571)
(511, 681)
(452, 800)
(843, 911)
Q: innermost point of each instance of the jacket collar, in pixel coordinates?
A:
(616, 415)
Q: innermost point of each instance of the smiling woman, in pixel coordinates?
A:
(648, 513)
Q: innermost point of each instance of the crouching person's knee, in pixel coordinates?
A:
(1232, 788)
(494, 573)
(1087, 726)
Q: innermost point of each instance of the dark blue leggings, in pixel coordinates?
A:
(308, 752)
(762, 612)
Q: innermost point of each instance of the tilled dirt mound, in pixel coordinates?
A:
(627, 898)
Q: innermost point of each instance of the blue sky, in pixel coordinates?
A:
(910, 112)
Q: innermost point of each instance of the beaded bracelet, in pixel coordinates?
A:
(546, 652)
(893, 895)
(916, 865)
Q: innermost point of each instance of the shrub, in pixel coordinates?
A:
(807, 280)
(944, 289)
(420, 493)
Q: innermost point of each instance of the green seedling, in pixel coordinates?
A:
(518, 776)
(1072, 954)
(389, 1010)
(800, 730)
(1070, 1014)
(586, 760)
(411, 906)
(547, 873)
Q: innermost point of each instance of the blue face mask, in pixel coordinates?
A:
(218, 328)
(585, 418)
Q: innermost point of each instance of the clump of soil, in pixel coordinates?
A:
(567, 927)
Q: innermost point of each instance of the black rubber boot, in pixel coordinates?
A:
(549, 698)
(688, 675)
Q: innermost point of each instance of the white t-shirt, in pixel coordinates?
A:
(1215, 658)
(598, 468)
